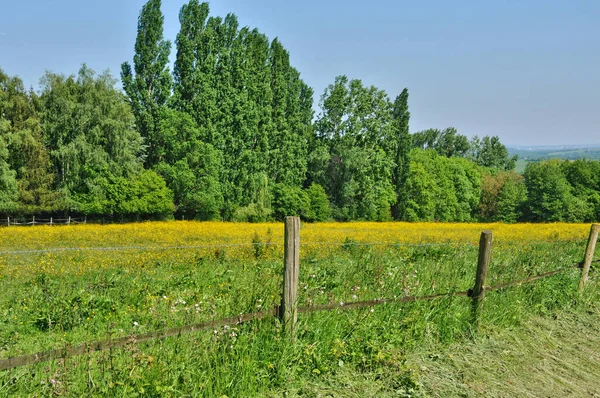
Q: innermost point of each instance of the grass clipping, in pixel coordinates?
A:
(543, 357)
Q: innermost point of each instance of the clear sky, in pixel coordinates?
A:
(525, 70)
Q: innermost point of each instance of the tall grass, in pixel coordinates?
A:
(42, 309)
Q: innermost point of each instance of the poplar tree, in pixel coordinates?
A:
(288, 144)
(148, 86)
(401, 147)
(247, 144)
(194, 70)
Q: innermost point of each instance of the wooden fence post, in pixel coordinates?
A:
(69, 221)
(589, 255)
(33, 221)
(50, 220)
(483, 263)
(8, 221)
(289, 302)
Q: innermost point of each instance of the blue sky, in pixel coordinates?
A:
(527, 71)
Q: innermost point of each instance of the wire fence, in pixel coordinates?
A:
(250, 244)
(282, 311)
(224, 245)
(102, 345)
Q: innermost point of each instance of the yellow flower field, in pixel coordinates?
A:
(80, 248)
(185, 233)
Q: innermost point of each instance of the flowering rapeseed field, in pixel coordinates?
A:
(42, 248)
(217, 233)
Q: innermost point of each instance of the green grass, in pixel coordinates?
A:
(544, 357)
(527, 156)
(520, 166)
(367, 352)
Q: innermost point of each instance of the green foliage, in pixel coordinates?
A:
(503, 197)
(289, 201)
(402, 143)
(550, 196)
(150, 195)
(446, 143)
(442, 188)
(511, 199)
(356, 126)
(254, 212)
(191, 167)
(143, 194)
(288, 143)
(584, 178)
(102, 141)
(491, 153)
(148, 86)
(249, 104)
(487, 152)
(262, 247)
(310, 204)
(8, 183)
(319, 208)
(24, 159)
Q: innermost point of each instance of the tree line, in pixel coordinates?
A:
(231, 134)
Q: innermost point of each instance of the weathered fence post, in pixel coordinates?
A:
(33, 221)
(8, 221)
(589, 255)
(289, 301)
(483, 263)
(50, 220)
(69, 221)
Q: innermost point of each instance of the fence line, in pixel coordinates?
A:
(289, 308)
(144, 248)
(216, 246)
(102, 345)
(351, 244)
(85, 348)
(44, 221)
(249, 244)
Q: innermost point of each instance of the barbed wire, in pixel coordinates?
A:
(142, 248)
(248, 244)
(225, 245)
(350, 244)
(86, 348)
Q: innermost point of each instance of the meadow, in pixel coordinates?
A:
(73, 284)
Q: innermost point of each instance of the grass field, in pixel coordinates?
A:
(136, 278)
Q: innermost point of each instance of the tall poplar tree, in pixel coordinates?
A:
(148, 85)
(401, 147)
(247, 143)
(194, 70)
(288, 144)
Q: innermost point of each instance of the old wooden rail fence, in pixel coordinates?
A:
(43, 221)
(288, 310)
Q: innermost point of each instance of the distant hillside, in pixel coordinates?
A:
(545, 152)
